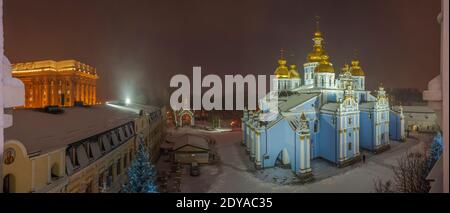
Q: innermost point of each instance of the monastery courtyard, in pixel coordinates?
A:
(234, 171)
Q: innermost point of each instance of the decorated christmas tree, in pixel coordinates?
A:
(141, 174)
(435, 150)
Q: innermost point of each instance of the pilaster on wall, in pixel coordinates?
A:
(1, 97)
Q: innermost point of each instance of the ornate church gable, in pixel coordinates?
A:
(382, 102)
(349, 105)
(299, 123)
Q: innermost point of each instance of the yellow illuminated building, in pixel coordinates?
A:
(57, 83)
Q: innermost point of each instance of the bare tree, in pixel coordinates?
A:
(409, 175)
(383, 187)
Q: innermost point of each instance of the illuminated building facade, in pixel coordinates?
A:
(73, 157)
(57, 83)
(321, 114)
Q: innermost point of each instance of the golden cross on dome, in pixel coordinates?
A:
(317, 19)
(355, 53)
(282, 54)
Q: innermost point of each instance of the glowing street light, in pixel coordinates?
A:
(127, 101)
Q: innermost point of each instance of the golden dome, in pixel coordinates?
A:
(282, 70)
(316, 54)
(293, 71)
(324, 67)
(356, 70)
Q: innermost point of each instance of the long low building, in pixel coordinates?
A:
(83, 149)
(419, 118)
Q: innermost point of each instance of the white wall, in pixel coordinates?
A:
(12, 93)
(444, 73)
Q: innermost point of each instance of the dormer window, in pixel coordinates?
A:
(110, 139)
(102, 146)
(87, 147)
(74, 157)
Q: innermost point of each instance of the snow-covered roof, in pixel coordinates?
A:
(295, 100)
(146, 108)
(413, 109)
(330, 107)
(43, 132)
(189, 140)
(367, 105)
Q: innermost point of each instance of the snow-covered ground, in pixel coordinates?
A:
(235, 173)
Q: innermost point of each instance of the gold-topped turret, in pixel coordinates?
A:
(317, 33)
(346, 68)
(324, 66)
(356, 69)
(282, 70)
(318, 50)
(293, 71)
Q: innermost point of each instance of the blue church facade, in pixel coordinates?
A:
(325, 115)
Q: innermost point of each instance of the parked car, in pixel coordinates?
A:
(195, 169)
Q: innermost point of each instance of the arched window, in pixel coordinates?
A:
(125, 161)
(110, 176)
(316, 126)
(101, 181)
(322, 82)
(119, 167)
(8, 183)
(88, 188)
(54, 172)
(74, 157)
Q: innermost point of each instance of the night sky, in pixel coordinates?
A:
(138, 45)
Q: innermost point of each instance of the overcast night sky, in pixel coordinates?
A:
(138, 45)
